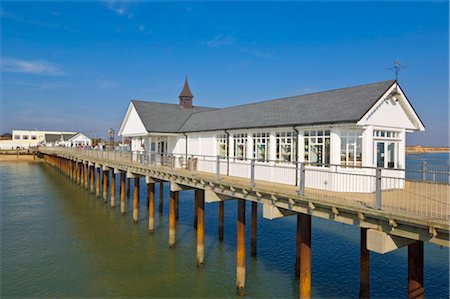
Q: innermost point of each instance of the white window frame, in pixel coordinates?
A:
(317, 138)
(222, 140)
(261, 140)
(349, 149)
(283, 140)
(240, 139)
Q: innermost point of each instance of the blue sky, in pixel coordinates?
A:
(76, 65)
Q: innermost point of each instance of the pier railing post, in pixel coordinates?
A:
(218, 168)
(378, 189)
(252, 173)
(424, 170)
(301, 190)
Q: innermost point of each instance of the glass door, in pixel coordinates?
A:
(380, 154)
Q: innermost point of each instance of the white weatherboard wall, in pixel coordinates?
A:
(132, 124)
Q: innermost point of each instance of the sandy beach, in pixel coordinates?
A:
(20, 158)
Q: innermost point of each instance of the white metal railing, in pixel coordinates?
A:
(396, 190)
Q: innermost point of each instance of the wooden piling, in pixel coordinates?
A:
(200, 207)
(161, 191)
(240, 251)
(195, 209)
(113, 190)
(415, 270)
(92, 169)
(105, 185)
(305, 256)
(136, 200)
(297, 248)
(128, 187)
(221, 219)
(177, 205)
(364, 266)
(86, 178)
(151, 206)
(172, 219)
(122, 193)
(254, 230)
(97, 185)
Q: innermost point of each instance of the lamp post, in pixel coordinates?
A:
(111, 137)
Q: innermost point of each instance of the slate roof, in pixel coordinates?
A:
(345, 105)
(164, 118)
(57, 137)
(327, 107)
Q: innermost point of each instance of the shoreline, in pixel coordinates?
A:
(19, 158)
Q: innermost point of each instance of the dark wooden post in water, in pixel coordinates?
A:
(136, 200)
(122, 193)
(195, 209)
(297, 248)
(105, 172)
(92, 169)
(113, 189)
(151, 206)
(221, 218)
(254, 228)
(364, 266)
(177, 205)
(86, 178)
(161, 190)
(78, 173)
(415, 270)
(172, 219)
(128, 187)
(240, 251)
(200, 207)
(97, 185)
(305, 256)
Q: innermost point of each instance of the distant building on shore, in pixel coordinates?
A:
(25, 139)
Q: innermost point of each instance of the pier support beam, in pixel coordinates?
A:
(151, 206)
(240, 251)
(122, 193)
(161, 191)
(221, 218)
(105, 172)
(200, 208)
(128, 187)
(113, 189)
(177, 205)
(195, 209)
(86, 176)
(305, 256)
(297, 248)
(97, 183)
(254, 229)
(92, 178)
(78, 178)
(172, 219)
(415, 270)
(364, 266)
(136, 200)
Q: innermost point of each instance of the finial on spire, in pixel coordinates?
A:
(186, 95)
(397, 68)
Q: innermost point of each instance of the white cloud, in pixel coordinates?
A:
(120, 7)
(258, 53)
(220, 40)
(40, 86)
(34, 67)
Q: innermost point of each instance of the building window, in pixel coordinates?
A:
(317, 147)
(240, 146)
(33, 137)
(16, 137)
(261, 146)
(385, 134)
(222, 145)
(286, 146)
(351, 147)
(25, 137)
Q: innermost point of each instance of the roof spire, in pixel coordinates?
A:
(186, 95)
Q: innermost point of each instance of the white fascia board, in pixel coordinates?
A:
(403, 101)
(127, 114)
(130, 109)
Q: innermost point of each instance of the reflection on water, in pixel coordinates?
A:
(57, 240)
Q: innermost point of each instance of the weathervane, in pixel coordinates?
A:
(397, 68)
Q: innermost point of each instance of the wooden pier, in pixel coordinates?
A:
(382, 230)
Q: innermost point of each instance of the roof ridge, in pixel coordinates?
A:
(170, 104)
(301, 95)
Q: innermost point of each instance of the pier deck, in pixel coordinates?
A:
(419, 211)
